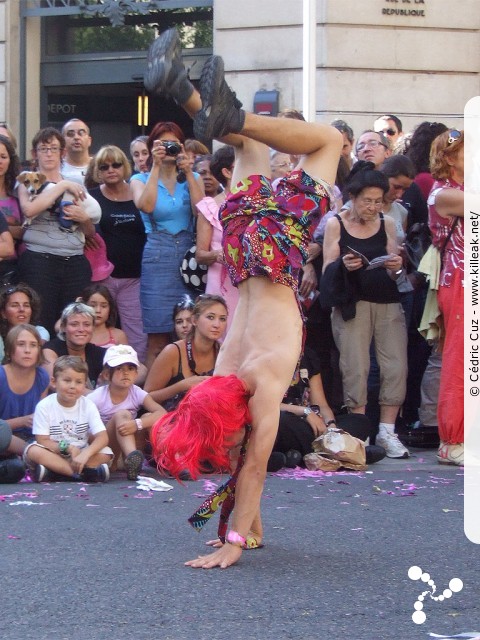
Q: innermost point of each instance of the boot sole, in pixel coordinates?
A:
(211, 80)
(133, 464)
(159, 61)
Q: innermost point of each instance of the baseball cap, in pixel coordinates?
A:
(5, 435)
(120, 354)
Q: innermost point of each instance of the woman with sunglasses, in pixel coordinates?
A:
(166, 197)
(122, 230)
(185, 363)
(54, 263)
(445, 218)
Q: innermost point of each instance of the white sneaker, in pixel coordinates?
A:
(392, 445)
(450, 453)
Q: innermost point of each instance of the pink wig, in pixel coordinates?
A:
(202, 425)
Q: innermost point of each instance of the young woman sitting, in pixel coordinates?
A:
(185, 363)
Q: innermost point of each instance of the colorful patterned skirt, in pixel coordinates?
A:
(266, 232)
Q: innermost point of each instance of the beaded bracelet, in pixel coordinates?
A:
(236, 539)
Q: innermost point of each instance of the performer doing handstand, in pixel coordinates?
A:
(266, 235)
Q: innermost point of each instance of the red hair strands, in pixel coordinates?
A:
(201, 427)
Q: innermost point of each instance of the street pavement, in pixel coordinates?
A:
(106, 561)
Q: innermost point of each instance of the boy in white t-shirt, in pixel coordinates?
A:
(70, 438)
(119, 402)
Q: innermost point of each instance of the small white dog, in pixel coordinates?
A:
(36, 182)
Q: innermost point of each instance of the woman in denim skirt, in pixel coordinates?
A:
(166, 198)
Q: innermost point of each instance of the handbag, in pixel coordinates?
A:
(417, 241)
(194, 275)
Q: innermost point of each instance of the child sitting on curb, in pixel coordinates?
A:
(119, 402)
(70, 438)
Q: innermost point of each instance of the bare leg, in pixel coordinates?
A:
(388, 413)
(50, 460)
(17, 445)
(319, 144)
(270, 354)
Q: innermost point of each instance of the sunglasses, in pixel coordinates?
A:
(390, 132)
(454, 135)
(106, 167)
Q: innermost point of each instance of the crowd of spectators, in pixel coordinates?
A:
(100, 334)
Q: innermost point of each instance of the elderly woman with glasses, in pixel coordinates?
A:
(54, 263)
(353, 238)
(122, 230)
(445, 218)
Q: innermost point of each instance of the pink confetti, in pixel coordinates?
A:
(13, 537)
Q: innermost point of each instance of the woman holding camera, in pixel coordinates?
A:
(166, 197)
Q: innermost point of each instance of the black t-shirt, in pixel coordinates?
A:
(93, 355)
(373, 285)
(415, 204)
(122, 229)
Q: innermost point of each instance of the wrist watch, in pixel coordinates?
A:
(307, 411)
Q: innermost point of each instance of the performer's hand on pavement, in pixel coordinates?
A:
(217, 543)
(223, 558)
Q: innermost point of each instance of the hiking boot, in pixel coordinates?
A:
(42, 474)
(165, 72)
(276, 461)
(96, 474)
(294, 459)
(133, 464)
(392, 445)
(220, 113)
(451, 453)
(374, 453)
(11, 470)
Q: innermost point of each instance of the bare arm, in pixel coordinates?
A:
(145, 195)
(450, 202)
(7, 248)
(164, 367)
(331, 246)
(204, 254)
(395, 263)
(48, 197)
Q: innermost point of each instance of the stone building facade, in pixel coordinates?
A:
(419, 59)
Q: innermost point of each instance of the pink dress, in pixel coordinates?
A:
(218, 281)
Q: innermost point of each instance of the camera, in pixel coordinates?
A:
(171, 148)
